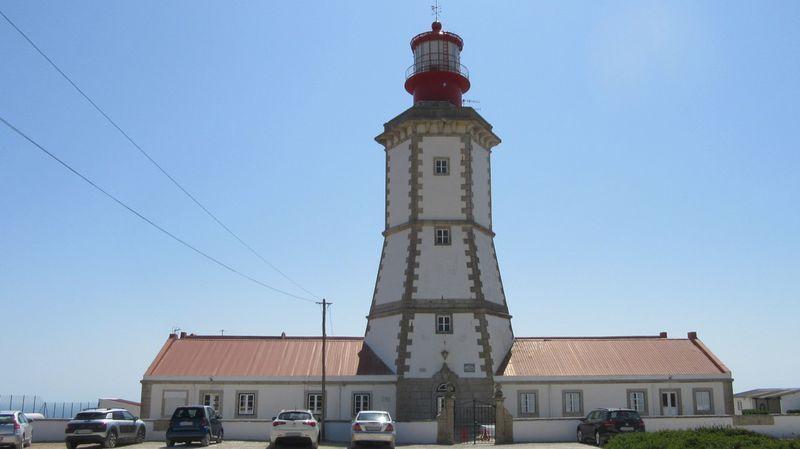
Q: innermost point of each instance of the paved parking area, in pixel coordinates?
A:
(263, 445)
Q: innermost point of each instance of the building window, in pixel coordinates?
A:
(212, 399)
(670, 402)
(703, 401)
(361, 401)
(528, 404)
(442, 236)
(172, 399)
(444, 324)
(739, 405)
(637, 400)
(314, 403)
(441, 166)
(573, 403)
(439, 404)
(247, 404)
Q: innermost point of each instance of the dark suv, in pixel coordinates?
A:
(601, 424)
(194, 423)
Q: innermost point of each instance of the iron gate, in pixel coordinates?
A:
(473, 422)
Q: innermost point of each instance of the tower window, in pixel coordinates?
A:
(444, 324)
(442, 236)
(441, 166)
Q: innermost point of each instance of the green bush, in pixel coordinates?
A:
(755, 412)
(710, 438)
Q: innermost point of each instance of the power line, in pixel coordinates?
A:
(147, 220)
(152, 161)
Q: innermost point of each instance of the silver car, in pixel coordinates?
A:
(15, 430)
(106, 426)
(372, 426)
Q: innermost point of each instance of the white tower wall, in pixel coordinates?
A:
(456, 279)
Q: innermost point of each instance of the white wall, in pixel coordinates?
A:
(49, 430)
(427, 346)
(418, 432)
(441, 195)
(656, 423)
(113, 403)
(490, 272)
(382, 338)
(742, 404)
(608, 395)
(787, 426)
(545, 430)
(274, 397)
(442, 269)
(393, 266)
(790, 402)
(480, 185)
(398, 183)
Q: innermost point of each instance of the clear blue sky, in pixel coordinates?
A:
(648, 178)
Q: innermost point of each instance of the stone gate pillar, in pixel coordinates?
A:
(445, 420)
(504, 422)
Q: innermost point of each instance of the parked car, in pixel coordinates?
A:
(107, 426)
(372, 426)
(195, 423)
(295, 425)
(601, 424)
(15, 429)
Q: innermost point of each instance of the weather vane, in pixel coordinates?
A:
(436, 10)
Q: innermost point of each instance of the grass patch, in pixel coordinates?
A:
(710, 438)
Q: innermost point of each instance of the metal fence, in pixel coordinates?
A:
(50, 409)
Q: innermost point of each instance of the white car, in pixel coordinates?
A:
(295, 425)
(15, 430)
(372, 426)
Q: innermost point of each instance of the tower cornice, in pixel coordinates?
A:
(438, 118)
(437, 222)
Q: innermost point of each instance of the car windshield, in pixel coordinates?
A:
(382, 417)
(294, 416)
(187, 413)
(625, 415)
(6, 419)
(86, 416)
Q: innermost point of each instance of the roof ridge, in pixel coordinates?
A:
(266, 337)
(605, 337)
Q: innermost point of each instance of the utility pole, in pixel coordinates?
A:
(325, 305)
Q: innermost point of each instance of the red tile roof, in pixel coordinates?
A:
(610, 356)
(230, 356)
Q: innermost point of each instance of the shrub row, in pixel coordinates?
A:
(709, 438)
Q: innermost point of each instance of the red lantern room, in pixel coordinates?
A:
(437, 73)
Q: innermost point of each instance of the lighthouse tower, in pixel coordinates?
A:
(439, 317)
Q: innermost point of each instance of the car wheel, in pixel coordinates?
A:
(140, 435)
(71, 445)
(205, 441)
(111, 439)
(170, 443)
(597, 440)
(580, 436)
(221, 436)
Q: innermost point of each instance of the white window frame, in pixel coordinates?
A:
(248, 409)
(528, 403)
(710, 393)
(634, 404)
(441, 166)
(318, 402)
(361, 401)
(572, 398)
(444, 323)
(211, 394)
(442, 236)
